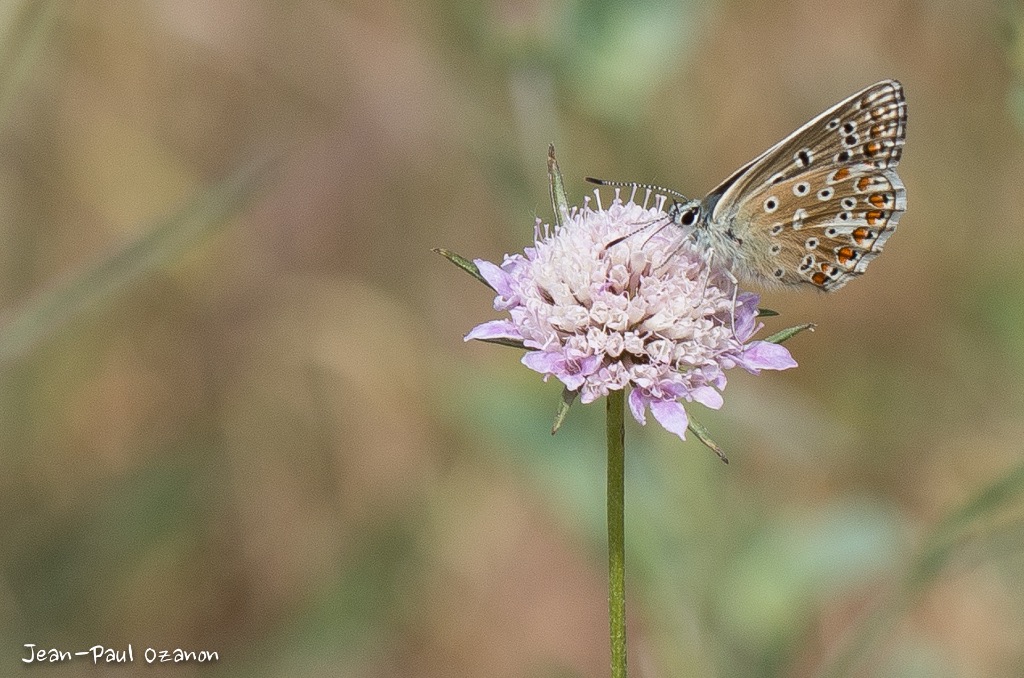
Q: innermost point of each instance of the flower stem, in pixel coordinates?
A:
(617, 530)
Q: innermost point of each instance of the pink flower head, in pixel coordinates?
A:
(644, 313)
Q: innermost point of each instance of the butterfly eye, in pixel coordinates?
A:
(689, 217)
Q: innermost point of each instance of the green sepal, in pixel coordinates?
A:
(789, 333)
(568, 397)
(705, 437)
(513, 343)
(766, 313)
(559, 203)
(463, 263)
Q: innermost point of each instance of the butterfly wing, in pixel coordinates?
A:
(818, 206)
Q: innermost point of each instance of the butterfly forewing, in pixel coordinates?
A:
(819, 205)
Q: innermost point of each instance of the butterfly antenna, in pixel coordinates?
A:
(658, 230)
(633, 184)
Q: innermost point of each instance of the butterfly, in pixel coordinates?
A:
(815, 208)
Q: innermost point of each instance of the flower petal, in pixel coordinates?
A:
(495, 277)
(763, 355)
(589, 365)
(671, 415)
(494, 329)
(571, 381)
(545, 362)
(638, 406)
(746, 315)
(707, 396)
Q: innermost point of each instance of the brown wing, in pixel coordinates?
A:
(818, 206)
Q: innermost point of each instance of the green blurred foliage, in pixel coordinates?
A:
(237, 413)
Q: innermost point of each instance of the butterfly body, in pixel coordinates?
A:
(815, 208)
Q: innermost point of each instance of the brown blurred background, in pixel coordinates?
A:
(277, 446)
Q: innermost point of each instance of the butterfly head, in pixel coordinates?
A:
(686, 214)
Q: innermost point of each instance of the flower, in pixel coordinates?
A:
(622, 298)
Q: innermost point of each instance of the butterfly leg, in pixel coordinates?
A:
(710, 256)
(735, 291)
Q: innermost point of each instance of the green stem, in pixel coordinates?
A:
(617, 531)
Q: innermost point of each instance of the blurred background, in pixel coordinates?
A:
(238, 414)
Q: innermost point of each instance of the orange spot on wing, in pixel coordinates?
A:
(876, 130)
(845, 255)
(860, 234)
(863, 183)
(874, 216)
(841, 174)
(872, 147)
(878, 200)
(819, 278)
